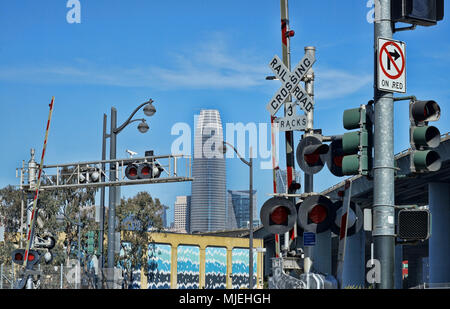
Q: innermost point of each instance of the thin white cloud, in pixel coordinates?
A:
(332, 83)
(209, 66)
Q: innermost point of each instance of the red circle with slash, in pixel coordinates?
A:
(384, 49)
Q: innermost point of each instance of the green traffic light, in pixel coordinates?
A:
(352, 118)
(426, 136)
(427, 160)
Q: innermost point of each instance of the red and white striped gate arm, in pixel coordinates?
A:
(36, 194)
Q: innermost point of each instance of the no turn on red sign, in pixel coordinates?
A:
(391, 58)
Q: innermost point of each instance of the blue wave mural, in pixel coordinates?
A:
(188, 267)
(215, 268)
(159, 263)
(240, 268)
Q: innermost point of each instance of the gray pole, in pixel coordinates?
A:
(289, 135)
(309, 85)
(112, 191)
(383, 171)
(250, 266)
(102, 206)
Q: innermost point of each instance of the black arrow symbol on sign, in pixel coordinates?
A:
(394, 54)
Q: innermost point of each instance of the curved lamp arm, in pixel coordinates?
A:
(128, 121)
(239, 156)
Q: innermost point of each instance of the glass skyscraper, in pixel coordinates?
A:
(208, 201)
(238, 209)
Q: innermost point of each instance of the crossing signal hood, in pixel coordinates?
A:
(357, 145)
(316, 214)
(424, 138)
(311, 154)
(417, 12)
(335, 156)
(278, 215)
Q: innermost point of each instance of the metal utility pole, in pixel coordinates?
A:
(383, 170)
(250, 266)
(289, 135)
(101, 260)
(112, 193)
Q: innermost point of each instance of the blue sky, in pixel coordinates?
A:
(188, 55)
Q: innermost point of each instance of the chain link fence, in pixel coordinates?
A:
(70, 276)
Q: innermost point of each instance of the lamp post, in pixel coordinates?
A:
(250, 165)
(149, 110)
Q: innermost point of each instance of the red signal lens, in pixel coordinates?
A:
(312, 158)
(338, 160)
(145, 171)
(31, 257)
(318, 214)
(18, 256)
(279, 215)
(132, 172)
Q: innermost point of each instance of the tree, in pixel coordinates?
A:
(137, 216)
(65, 203)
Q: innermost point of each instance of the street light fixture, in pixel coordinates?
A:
(149, 110)
(223, 149)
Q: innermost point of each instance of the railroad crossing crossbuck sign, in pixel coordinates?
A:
(391, 58)
(291, 86)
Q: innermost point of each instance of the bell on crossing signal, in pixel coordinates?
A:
(424, 138)
(311, 154)
(417, 12)
(278, 215)
(316, 213)
(335, 156)
(18, 256)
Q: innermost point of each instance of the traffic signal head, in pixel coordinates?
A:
(425, 111)
(278, 215)
(311, 154)
(357, 145)
(414, 224)
(18, 256)
(424, 137)
(316, 213)
(335, 156)
(417, 12)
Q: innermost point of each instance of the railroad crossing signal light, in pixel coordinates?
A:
(278, 215)
(335, 156)
(414, 224)
(424, 138)
(89, 174)
(357, 145)
(316, 214)
(18, 256)
(417, 12)
(144, 170)
(311, 154)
